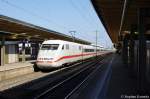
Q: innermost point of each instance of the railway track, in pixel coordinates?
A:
(55, 86)
(63, 89)
(9, 83)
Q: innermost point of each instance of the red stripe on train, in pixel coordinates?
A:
(72, 56)
(66, 57)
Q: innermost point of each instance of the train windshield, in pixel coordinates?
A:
(49, 47)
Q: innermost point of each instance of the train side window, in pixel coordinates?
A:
(88, 50)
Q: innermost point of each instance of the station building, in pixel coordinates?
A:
(20, 41)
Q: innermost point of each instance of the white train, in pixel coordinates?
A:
(55, 53)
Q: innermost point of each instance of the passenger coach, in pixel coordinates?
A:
(55, 53)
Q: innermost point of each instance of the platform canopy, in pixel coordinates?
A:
(117, 16)
(14, 29)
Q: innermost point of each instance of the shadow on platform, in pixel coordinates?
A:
(121, 83)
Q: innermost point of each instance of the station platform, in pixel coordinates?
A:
(121, 84)
(16, 69)
(112, 81)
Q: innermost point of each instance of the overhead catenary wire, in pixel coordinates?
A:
(91, 19)
(79, 12)
(85, 16)
(33, 13)
(43, 18)
(81, 15)
(90, 22)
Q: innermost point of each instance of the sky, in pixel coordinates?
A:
(61, 16)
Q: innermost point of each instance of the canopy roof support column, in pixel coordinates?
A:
(125, 50)
(3, 51)
(143, 13)
(131, 48)
(23, 51)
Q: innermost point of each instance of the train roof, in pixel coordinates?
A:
(59, 42)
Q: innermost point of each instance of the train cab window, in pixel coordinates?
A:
(67, 46)
(49, 46)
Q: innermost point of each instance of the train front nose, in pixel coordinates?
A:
(47, 54)
(45, 63)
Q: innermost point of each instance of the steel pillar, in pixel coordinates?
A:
(125, 50)
(3, 52)
(23, 51)
(35, 49)
(142, 51)
(131, 48)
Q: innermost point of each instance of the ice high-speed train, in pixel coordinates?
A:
(55, 53)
